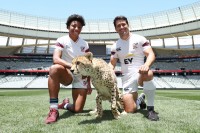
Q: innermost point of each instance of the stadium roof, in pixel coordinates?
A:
(178, 22)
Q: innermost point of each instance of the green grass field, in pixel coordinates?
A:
(24, 111)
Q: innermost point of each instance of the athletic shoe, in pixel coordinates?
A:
(52, 116)
(65, 101)
(142, 99)
(152, 115)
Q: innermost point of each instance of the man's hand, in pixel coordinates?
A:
(89, 89)
(143, 69)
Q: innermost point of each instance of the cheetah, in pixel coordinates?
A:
(103, 79)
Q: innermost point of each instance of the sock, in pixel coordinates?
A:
(139, 99)
(68, 106)
(65, 106)
(138, 102)
(150, 94)
(149, 90)
(54, 103)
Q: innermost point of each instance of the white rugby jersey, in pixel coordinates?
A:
(71, 49)
(130, 52)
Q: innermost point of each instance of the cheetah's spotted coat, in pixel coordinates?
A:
(103, 79)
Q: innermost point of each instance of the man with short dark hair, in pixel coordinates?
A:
(131, 49)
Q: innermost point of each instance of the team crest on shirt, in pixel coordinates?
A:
(129, 55)
(84, 83)
(118, 49)
(135, 45)
(82, 49)
(126, 89)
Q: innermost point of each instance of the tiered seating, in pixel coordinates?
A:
(176, 53)
(39, 82)
(15, 81)
(195, 79)
(3, 80)
(25, 81)
(165, 66)
(178, 82)
(176, 65)
(1, 76)
(160, 83)
(26, 65)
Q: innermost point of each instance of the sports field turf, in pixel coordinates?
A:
(24, 111)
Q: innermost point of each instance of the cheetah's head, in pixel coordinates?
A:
(82, 64)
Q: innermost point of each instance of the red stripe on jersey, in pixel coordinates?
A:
(112, 53)
(146, 44)
(59, 45)
(87, 50)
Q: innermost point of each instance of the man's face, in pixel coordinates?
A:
(122, 27)
(75, 28)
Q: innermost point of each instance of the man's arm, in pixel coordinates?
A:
(113, 62)
(89, 88)
(150, 58)
(58, 60)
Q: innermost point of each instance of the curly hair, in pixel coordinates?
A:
(75, 17)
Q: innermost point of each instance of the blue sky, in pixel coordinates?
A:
(90, 9)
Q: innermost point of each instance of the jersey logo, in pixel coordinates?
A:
(82, 49)
(128, 61)
(126, 89)
(129, 55)
(135, 45)
(118, 49)
(84, 83)
(67, 47)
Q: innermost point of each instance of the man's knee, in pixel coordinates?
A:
(60, 73)
(129, 103)
(55, 69)
(148, 77)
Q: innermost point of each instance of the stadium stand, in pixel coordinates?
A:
(26, 46)
(39, 82)
(194, 79)
(16, 81)
(178, 82)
